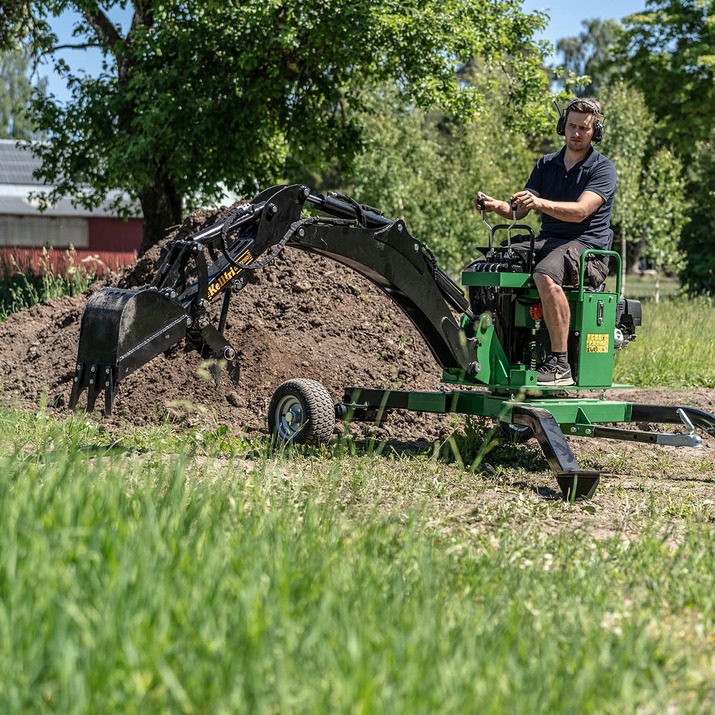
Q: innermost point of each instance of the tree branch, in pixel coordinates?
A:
(143, 14)
(81, 46)
(107, 33)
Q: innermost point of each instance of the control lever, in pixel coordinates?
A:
(513, 205)
(480, 205)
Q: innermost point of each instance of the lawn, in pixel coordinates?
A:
(155, 573)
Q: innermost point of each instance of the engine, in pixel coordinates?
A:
(628, 318)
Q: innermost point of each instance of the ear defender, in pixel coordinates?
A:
(598, 126)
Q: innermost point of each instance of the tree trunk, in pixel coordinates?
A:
(657, 286)
(161, 205)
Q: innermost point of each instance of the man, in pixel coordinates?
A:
(574, 190)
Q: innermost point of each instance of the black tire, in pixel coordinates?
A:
(301, 412)
(515, 434)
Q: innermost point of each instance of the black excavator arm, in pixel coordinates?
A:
(124, 329)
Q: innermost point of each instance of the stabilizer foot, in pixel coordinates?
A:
(578, 485)
(574, 482)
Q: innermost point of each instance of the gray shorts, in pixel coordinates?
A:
(551, 258)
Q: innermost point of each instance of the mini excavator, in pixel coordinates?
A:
(487, 342)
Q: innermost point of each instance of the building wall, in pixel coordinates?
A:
(62, 243)
(62, 260)
(58, 232)
(112, 234)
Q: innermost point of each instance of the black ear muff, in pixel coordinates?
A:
(598, 127)
(598, 131)
(561, 123)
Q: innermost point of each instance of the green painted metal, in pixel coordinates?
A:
(490, 354)
(581, 413)
(593, 316)
(503, 280)
(600, 252)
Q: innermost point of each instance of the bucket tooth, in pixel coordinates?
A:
(121, 331)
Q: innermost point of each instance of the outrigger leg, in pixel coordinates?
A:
(574, 482)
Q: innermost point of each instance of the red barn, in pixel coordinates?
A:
(61, 235)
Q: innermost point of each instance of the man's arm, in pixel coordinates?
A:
(568, 211)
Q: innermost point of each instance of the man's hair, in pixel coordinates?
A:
(585, 105)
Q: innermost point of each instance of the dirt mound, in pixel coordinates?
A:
(305, 316)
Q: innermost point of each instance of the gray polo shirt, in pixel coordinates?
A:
(550, 180)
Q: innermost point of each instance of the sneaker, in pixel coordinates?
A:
(553, 373)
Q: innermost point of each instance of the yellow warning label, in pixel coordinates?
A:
(597, 342)
(244, 258)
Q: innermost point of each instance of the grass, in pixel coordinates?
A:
(675, 347)
(645, 287)
(167, 571)
(23, 287)
(205, 579)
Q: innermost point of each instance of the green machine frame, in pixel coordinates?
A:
(509, 392)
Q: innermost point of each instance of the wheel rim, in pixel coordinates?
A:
(290, 417)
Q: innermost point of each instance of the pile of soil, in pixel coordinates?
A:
(304, 316)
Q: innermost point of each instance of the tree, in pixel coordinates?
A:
(669, 54)
(663, 185)
(15, 94)
(200, 95)
(589, 55)
(698, 270)
(625, 143)
(19, 23)
(425, 168)
(649, 211)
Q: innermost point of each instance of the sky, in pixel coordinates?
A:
(566, 18)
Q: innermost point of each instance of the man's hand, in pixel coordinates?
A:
(482, 202)
(571, 211)
(525, 201)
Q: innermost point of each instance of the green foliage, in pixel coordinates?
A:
(427, 169)
(198, 97)
(15, 92)
(20, 24)
(650, 209)
(669, 53)
(626, 143)
(664, 217)
(589, 55)
(698, 273)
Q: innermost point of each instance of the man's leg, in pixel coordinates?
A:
(549, 277)
(557, 314)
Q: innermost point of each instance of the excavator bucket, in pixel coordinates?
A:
(121, 331)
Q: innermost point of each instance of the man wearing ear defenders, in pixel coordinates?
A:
(574, 190)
